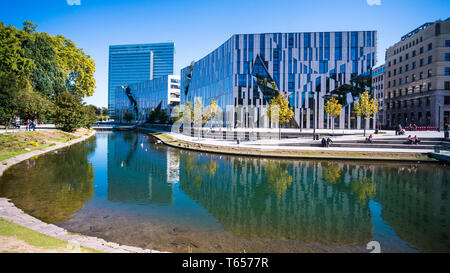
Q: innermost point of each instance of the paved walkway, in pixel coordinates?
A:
(275, 144)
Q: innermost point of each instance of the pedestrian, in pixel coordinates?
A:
(329, 142)
(28, 125)
(324, 142)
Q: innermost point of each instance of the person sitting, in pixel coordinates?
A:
(410, 140)
(402, 132)
(329, 142)
(416, 140)
(369, 139)
(324, 142)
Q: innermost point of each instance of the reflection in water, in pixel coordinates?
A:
(274, 199)
(232, 202)
(52, 187)
(137, 176)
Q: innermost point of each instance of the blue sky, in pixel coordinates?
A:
(199, 26)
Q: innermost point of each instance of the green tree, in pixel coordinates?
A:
(33, 105)
(89, 116)
(366, 107)
(333, 108)
(78, 67)
(70, 113)
(15, 69)
(279, 108)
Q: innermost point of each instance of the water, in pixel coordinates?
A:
(123, 188)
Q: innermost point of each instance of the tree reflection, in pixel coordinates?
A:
(331, 173)
(54, 186)
(363, 189)
(278, 178)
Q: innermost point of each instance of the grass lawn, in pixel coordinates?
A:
(13, 144)
(28, 240)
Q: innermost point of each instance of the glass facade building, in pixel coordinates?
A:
(129, 64)
(164, 91)
(299, 63)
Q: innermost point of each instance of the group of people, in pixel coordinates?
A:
(413, 140)
(31, 125)
(326, 142)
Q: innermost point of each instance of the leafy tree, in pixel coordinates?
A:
(77, 67)
(33, 105)
(366, 107)
(89, 116)
(279, 107)
(15, 69)
(210, 112)
(70, 113)
(333, 108)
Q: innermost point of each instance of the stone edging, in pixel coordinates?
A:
(10, 212)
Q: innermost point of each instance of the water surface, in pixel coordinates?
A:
(123, 188)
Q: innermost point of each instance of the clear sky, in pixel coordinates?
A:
(199, 26)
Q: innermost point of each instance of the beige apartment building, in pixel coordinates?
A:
(417, 79)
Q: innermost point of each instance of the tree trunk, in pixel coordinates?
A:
(364, 126)
(279, 132)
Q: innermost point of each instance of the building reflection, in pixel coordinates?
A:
(275, 199)
(416, 204)
(138, 173)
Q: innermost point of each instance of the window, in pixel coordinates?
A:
(406, 79)
(430, 73)
(447, 71)
(413, 77)
(430, 46)
(430, 59)
(400, 59)
(429, 86)
(389, 64)
(447, 100)
(447, 85)
(389, 74)
(395, 72)
(421, 75)
(406, 56)
(395, 61)
(414, 53)
(414, 65)
(407, 68)
(421, 50)
(400, 70)
(447, 43)
(447, 57)
(400, 81)
(421, 62)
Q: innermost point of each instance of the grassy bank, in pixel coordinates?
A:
(14, 144)
(15, 238)
(301, 154)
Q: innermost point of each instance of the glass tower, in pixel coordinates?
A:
(130, 64)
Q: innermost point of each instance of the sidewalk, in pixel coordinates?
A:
(275, 144)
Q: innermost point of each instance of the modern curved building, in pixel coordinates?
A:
(236, 74)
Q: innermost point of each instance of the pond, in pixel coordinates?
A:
(124, 188)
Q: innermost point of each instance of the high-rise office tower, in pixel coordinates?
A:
(130, 64)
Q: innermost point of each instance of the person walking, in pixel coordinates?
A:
(28, 125)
